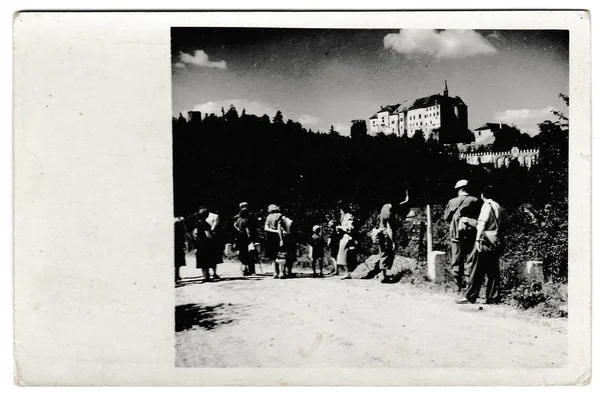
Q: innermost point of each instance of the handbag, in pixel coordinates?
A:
(490, 240)
(464, 225)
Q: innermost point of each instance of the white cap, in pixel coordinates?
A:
(461, 183)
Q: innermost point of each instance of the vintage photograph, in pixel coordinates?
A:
(348, 198)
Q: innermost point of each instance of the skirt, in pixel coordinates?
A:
(386, 253)
(344, 256)
(272, 247)
(204, 256)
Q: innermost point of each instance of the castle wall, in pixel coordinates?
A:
(501, 159)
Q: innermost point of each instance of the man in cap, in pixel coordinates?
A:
(462, 212)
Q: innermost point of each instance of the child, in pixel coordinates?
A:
(317, 253)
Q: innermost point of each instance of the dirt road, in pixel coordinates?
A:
(304, 322)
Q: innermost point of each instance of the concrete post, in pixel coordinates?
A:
(532, 271)
(429, 232)
(435, 259)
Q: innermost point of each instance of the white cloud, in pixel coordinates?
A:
(521, 115)
(343, 129)
(200, 58)
(525, 119)
(179, 66)
(306, 119)
(446, 44)
(251, 107)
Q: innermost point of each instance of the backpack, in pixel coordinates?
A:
(463, 225)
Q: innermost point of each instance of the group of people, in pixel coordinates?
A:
(205, 230)
(477, 228)
(476, 238)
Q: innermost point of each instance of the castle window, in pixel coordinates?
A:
(419, 116)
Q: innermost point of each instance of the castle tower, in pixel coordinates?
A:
(446, 88)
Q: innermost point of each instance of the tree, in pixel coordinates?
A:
(418, 137)
(506, 138)
(333, 132)
(563, 120)
(232, 114)
(181, 121)
(358, 129)
(265, 119)
(278, 119)
(244, 112)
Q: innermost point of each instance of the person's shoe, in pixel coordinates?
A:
(346, 277)
(464, 300)
(276, 277)
(386, 279)
(216, 277)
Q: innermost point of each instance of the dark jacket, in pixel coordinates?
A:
(461, 206)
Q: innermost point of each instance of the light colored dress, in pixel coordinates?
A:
(347, 241)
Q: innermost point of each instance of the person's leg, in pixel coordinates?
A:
(215, 276)
(177, 276)
(321, 266)
(455, 264)
(477, 275)
(201, 264)
(342, 257)
(206, 274)
(469, 263)
(382, 257)
(290, 255)
(335, 266)
(314, 266)
(389, 260)
(492, 293)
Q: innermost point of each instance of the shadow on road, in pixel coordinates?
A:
(198, 280)
(205, 316)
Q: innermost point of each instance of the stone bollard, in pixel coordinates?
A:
(532, 271)
(436, 261)
(228, 250)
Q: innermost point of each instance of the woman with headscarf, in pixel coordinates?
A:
(245, 241)
(386, 237)
(274, 241)
(347, 241)
(216, 242)
(204, 247)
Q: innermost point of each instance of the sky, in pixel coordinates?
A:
(324, 77)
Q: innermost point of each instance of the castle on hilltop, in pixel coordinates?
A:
(442, 117)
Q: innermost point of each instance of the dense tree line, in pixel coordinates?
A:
(221, 160)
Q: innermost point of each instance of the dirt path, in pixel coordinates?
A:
(329, 322)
